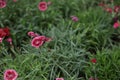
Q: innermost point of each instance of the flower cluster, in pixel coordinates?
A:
(38, 40)
(115, 10)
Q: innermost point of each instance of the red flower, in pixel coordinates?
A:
(7, 31)
(42, 6)
(2, 3)
(93, 60)
(2, 33)
(10, 74)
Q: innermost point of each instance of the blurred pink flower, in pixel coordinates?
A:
(32, 34)
(10, 74)
(116, 9)
(116, 25)
(42, 6)
(59, 78)
(49, 3)
(37, 41)
(108, 10)
(74, 18)
(2, 3)
(1, 40)
(9, 40)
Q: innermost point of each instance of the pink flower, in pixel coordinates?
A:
(10, 74)
(42, 6)
(32, 34)
(38, 41)
(93, 60)
(9, 40)
(74, 18)
(59, 78)
(49, 3)
(108, 10)
(116, 9)
(2, 3)
(116, 25)
(1, 40)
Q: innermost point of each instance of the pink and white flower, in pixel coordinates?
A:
(42, 6)
(37, 41)
(10, 74)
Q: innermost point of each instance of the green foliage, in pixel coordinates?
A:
(107, 66)
(73, 43)
(60, 62)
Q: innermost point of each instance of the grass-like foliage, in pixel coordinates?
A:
(67, 39)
